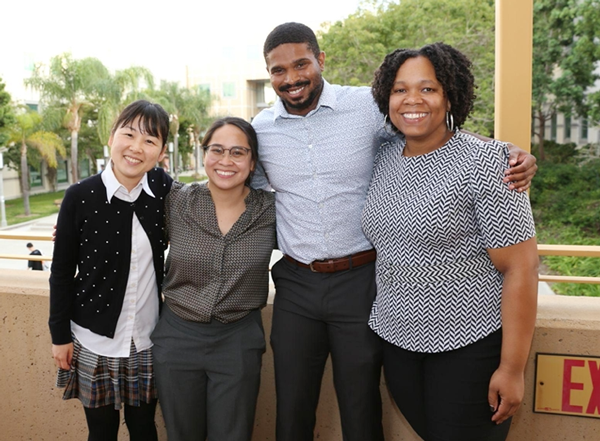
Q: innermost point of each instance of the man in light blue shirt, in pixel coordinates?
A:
(316, 150)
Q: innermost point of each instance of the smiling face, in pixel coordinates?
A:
(296, 76)
(223, 172)
(134, 152)
(418, 106)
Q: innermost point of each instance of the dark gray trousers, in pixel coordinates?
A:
(315, 315)
(208, 376)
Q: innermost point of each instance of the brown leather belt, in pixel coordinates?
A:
(333, 265)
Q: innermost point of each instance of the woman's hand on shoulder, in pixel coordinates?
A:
(505, 393)
(63, 355)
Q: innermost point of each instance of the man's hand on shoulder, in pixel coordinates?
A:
(522, 168)
(522, 165)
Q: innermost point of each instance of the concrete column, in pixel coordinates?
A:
(514, 38)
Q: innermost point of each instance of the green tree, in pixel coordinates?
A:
(116, 92)
(176, 100)
(26, 132)
(90, 144)
(67, 86)
(566, 50)
(356, 46)
(6, 114)
(195, 118)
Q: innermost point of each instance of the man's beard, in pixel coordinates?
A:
(302, 105)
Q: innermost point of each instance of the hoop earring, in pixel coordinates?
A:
(450, 122)
(386, 126)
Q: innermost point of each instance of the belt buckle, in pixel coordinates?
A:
(310, 265)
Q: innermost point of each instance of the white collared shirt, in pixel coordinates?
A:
(139, 313)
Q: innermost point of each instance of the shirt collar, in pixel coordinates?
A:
(112, 184)
(327, 99)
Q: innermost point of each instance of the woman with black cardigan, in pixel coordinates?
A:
(107, 270)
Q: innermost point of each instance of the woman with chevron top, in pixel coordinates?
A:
(456, 254)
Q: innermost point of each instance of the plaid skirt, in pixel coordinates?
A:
(101, 381)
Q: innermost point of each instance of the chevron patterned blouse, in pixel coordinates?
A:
(431, 219)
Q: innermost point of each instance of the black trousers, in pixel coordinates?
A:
(315, 315)
(444, 395)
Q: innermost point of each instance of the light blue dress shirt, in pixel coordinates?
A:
(320, 167)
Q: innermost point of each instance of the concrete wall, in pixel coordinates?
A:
(31, 407)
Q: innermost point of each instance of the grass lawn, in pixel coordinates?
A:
(190, 179)
(41, 205)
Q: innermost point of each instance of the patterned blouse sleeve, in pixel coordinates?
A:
(169, 203)
(504, 216)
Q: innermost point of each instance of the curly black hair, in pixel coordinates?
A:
(291, 33)
(452, 70)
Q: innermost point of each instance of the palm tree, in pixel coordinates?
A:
(66, 86)
(26, 132)
(122, 88)
(188, 109)
(195, 112)
(172, 97)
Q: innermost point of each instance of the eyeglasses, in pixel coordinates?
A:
(237, 154)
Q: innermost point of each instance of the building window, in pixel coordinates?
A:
(62, 172)
(584, 128)
(567, 127)
(553, 127)
(35, 176)
(228, 90)
(204, 88)
(29, 62)
(84, 168)
(260, 93)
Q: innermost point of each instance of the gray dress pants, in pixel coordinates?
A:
(208, 376)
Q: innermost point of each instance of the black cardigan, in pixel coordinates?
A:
(94, 238)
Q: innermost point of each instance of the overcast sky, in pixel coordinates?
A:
(163, 36)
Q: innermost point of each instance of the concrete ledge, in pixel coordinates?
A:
(32, 409)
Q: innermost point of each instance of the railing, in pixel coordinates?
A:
(28, 237)
(573, 251)
(543, 250)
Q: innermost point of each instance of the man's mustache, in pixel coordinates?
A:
(287, 87)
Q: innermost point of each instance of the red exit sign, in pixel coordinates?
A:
(567, 385)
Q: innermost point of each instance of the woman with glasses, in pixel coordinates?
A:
(209, 341)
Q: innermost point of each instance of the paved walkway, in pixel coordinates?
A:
(42, 226)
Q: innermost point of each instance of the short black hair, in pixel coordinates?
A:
(29, 245)
(154, 120)
(452, 70)
(291, 32)
(245, 127)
